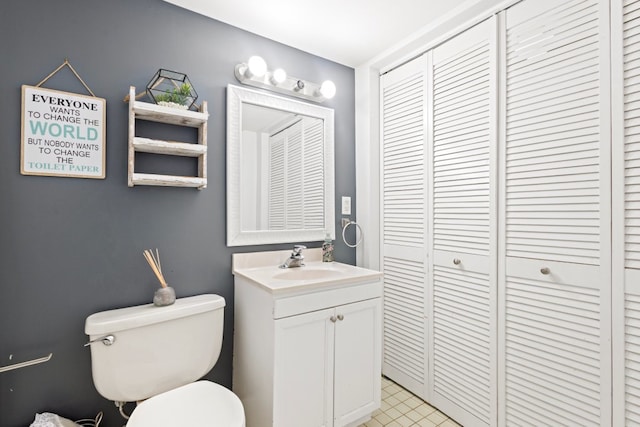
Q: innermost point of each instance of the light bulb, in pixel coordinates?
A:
(256, 67)
(279, 76)
(328, 89)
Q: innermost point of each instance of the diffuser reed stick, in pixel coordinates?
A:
(154, 263)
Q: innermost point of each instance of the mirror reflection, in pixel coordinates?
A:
(281, 174)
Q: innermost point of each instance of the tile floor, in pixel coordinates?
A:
(400, 408)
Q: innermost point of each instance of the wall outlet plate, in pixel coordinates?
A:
(346, 205)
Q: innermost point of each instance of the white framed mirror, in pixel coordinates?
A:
(280, 169)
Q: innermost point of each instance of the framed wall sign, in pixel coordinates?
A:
(63, 134)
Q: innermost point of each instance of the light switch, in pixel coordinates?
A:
(346, 205)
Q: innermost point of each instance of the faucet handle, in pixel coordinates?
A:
(297, 249)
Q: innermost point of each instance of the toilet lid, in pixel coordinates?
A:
(202, 403)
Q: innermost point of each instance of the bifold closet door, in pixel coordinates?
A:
(625, 28)
(555, 324)
(403, 223)
(462, 82)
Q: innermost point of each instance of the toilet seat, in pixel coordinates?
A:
(202, 403)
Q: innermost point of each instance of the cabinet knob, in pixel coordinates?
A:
(333, 319)
(545, 270)
(340, 317)
(456, 261)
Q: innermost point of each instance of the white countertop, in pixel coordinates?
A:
(263, 269)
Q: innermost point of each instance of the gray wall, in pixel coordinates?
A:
(71, 247)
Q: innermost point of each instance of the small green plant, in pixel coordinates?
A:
(179, 95)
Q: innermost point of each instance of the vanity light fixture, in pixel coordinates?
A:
(256, 73)
(278, 76)
(328, 89)
(256, 67)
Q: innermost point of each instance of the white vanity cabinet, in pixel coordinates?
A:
(307, 352)
(325, 370)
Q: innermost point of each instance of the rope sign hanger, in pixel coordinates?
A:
(67, 64)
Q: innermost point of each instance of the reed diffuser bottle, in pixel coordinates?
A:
(165, 295)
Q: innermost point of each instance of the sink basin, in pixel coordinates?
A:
(302, 273)
(261, 268)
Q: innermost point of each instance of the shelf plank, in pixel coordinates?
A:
(174, 116)
(155, 146)
(168, 180)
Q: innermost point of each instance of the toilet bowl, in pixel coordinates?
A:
(157, 356)
(202, 403)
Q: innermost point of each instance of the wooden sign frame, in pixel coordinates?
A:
(63, 134)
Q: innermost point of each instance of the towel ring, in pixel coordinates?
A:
(344, 229)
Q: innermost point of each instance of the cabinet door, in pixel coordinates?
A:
(462, 279)
(303, 371)
(404, 231)
(626, 210)
(357, 361)
(555, 289)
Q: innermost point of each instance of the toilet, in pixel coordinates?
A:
(157, 355)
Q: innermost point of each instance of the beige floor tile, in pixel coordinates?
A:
(425, 409)
(449, 423)
(392, 400)
(383, 419)
(403, 407)
(403, 395)
(393, 388)
(400, 408)
(414, 415)
(413, 402)
(425, 423)
(405, 421)
(437, 417)
(393, 413)
(373, 423)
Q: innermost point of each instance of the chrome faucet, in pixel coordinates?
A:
(295, 259)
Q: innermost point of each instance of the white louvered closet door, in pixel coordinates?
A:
(626, 210)
(403, 225)
(462, 216)
(555, 285)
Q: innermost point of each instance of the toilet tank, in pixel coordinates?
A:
(155, 349)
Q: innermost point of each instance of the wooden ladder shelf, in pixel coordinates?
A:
(161, 114)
